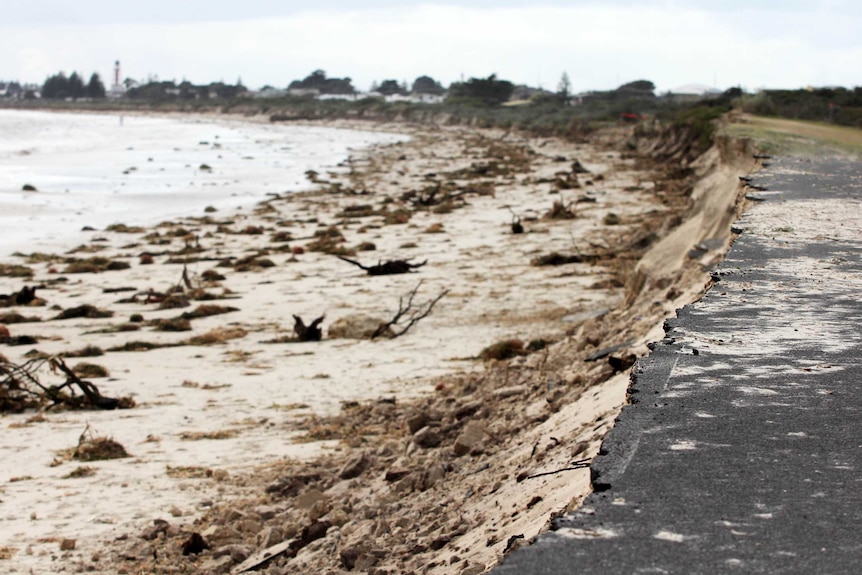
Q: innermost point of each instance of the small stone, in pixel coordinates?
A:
(267, 512)
(472, 569)
(68, 544)
(427, 437)
(396, 473)
(237, 553)
(220, 474)
(513, 390)
(416, 422)
(354, 467)
(217, 566)
(318, 510)
(470, 437)
(159, 526)
(176, 511)
(269, 536)
(432, 475)
(309, 498)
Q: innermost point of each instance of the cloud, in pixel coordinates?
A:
(599, 45)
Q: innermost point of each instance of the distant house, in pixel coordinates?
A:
(270, 92)
(692, 93)
(303, 92)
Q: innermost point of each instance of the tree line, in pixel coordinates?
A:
(61, 87)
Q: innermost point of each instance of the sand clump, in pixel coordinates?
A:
(435, 452)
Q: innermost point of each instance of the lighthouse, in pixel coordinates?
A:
(117, 89)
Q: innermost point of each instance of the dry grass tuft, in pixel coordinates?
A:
(218, 335)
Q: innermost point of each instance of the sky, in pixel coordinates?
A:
(598, 44)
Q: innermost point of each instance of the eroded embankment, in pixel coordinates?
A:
(450, 482)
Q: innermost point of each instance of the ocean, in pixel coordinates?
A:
(95, 170)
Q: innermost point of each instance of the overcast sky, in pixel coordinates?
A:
(600, 44)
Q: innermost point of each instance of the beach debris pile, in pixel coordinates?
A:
(21, 388)
(415, 486)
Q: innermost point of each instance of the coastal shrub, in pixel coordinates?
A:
(281, 236)
(87, 351)
(399, 216)
(175, 300)
(88, 370)
(560, 211)
(124, 229)
(505, 349)
(212, 276)
(116, 265)
(206, 310)
(84, 311)
(15, 271)
(174, 324)
(218, 335)
(98, 449)
(140, 346)
(15, 317)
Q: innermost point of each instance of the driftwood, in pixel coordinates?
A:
(390, 267)
(20, 389)
(23, 297)
(517, 227)
(307, 332)
(407, 315)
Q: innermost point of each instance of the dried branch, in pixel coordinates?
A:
(386, 268)
(579, 464)
(407, 314)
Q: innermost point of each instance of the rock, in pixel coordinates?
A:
(319, 509)
(267, 512)
(356, 326)
(176, 511)
(470, 437)
(159, 526)
(249, 526)
(472, 568)
(269, 536)
(431, 476)
(195, 544)
(237, 553)
(68, 544)
(417, 421)
(396, 474)
(217, 566)
(233, 515)
(354, 466)
(309, 498)
(222, 534)
(504, 392)
(427, 437)
(468, 409)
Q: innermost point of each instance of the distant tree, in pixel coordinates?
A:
(427, 85)
(564, 88)
(390, 87)
(638, 86)
(489, 91)
(56, 87)
(95, 88)
(76, 86)
(317, 80)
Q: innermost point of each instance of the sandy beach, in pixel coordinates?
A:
(436, 451)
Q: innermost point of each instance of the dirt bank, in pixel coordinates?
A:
(486, 452)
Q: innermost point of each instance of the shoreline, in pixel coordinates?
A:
(551, 393)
